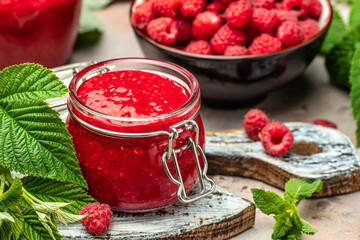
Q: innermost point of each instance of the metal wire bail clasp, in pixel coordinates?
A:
(193, 144)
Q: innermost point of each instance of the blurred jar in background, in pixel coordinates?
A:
(40, 31)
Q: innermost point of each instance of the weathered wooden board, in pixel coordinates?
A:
(218, 216)
(336, 163)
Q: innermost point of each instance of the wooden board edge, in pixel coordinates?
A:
(270, 174)
(227, 228)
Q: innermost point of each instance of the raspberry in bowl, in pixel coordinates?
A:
(258, 45)
(137, 133)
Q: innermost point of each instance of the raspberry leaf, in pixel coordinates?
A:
(49, 190)
(34, 228)
(337, 31)
(268, 202)
(17, 227)
(298, 189)
(355, 90)
(12, 197)
(354, 19)
(33, 138)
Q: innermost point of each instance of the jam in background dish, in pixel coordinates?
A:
(128, 173)
(42, 31)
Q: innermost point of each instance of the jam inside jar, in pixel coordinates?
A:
(140, 149)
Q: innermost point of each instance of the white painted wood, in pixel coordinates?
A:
(167, 222)
(337, 158)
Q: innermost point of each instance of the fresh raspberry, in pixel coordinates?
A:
(189, 8)
(99, 218)
(298, 7)
(162, 30)
(315, 9)
(205, 25)
(199, 47)
(265, 43)
(226, 36)
(324, 123)
(309, 27)
(263, 20)
(142, 15)
(268, 4)
(276, 138)
(216, 7)
(254, 121)
(165, 8)
(290, 33)
(235, 51)
(284, 15)
(238, 14)
(183, 27)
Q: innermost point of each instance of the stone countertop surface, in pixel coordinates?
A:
(304, 99)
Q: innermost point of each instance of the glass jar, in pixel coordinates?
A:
(140, 164)
(41, 31)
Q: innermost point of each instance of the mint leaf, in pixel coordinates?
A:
(12, 197)
(355, 90)
(337, 31)
(33, 138)
(268, 202)
(34, 229)
(307, 228)
(338, 60)
(298, 189)
(354, 19)
(280, 228)
(53, 191)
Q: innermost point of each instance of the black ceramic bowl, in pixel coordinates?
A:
(240, 80)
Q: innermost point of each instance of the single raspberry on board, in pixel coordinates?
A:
(276, 138)
(290, 33)
(254, 121)
(284, 15)
(265, 43)
(162, 30)
(309, 27)
(142, 15)
(166, 8)
(238, 14)
(269, 4)
(205, 25)
(183, 27)
(189, 8)
(99, 218)
(263, 20)
(199, 47)
(226, 36)
(298, 7)
(235, 51)
(315, 9)
(325, 123)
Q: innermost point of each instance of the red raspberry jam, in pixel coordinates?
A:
(115, 109)
(42, 31)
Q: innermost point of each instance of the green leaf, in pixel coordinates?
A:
(53, 191)
(355, 90)
(17, 227)
(338, 61)
(268, 202)
(6, 216)
(11, 224)
(33, 138)
(67, 218)
(34, 229)
(298, 189)
(337, 31)
(354, 19)
(90, 28)
(12, 197)
(307, 228)
(280, 229)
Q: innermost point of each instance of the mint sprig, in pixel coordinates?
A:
(288, 224)
(355, 89)
(34, 141)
